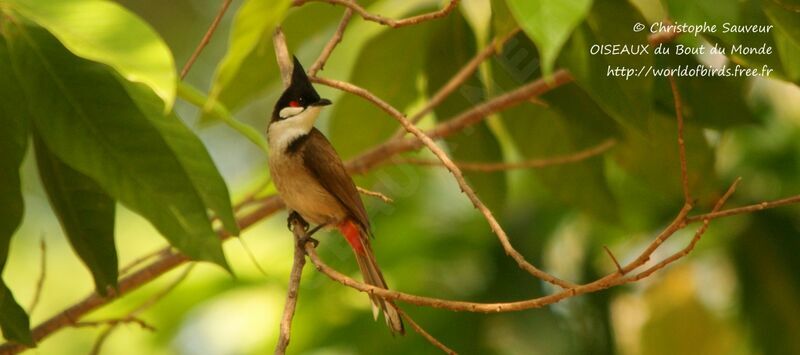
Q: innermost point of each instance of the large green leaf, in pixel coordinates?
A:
(86, 214)
(108, 33)
(13, 143)
(393, 80)
(250, 60)
(549, 24)
(191, 153)
(626, 99)
(85, 116)
(13, 319)
(450, 47)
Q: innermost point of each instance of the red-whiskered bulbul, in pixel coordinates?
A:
(313, 182)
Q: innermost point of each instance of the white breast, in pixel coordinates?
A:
(283, 132)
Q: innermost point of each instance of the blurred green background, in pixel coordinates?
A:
(737, 293)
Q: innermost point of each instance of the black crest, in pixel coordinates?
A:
(300, 91)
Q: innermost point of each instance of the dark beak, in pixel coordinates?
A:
(322, 102)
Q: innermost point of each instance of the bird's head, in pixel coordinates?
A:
(299, 98)
(296, 110)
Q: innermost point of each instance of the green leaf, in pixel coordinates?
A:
(549, 24)
(13, 143)
(395, 81)
(193, 156)
(627, 100)
(86, 214)
(84, 115)
(503, 21)
(13, 319)
(108, 33)
(451, 46)
(250, 47)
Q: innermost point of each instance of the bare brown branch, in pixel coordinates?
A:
(376, 194)
(688, 249)
(681, 144)
(206, 38)
(115, 322)
(746, 209)
(131, 316)
(614, 259)
(319, 64)
(383, 20)
(526, 164)
(293, 290)
(37, 293)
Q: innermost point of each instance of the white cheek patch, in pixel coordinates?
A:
(290, 111)
(283, 132)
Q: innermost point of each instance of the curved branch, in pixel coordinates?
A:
(206, 38)
(527, 164)
(319, 64)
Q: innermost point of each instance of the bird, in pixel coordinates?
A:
(313, 183)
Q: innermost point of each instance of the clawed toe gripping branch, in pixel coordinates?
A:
(409, 138)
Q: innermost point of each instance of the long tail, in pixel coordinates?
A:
(359, 240)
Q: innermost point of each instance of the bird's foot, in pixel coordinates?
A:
(307, 236)
(296, 217)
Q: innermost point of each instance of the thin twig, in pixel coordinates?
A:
(614, 259)
(430, 338)
(456, 172)
(37, 293)
(131, 316)
(115, 322)
(294, 288)
(206, 38)
(140, 260)
(681, 145)
(319, 64)
(376, 194)
(383, 20)
(686, 250)
(527, 164)
(746, 209)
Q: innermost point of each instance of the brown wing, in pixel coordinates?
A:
(322, 160)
